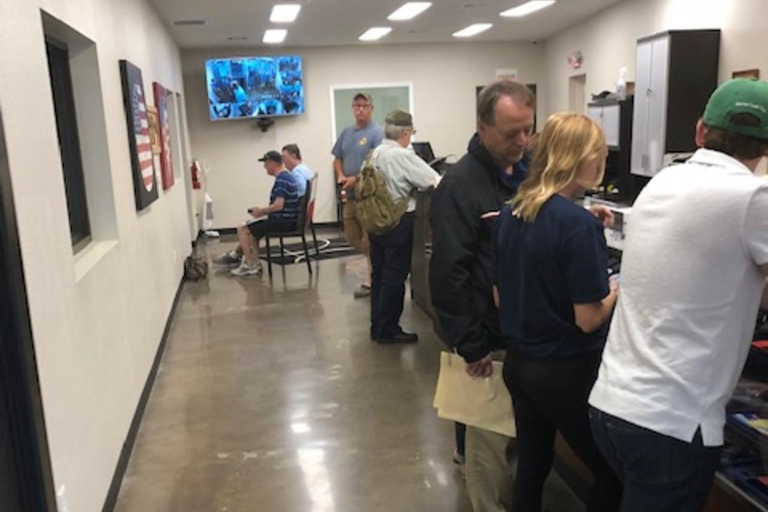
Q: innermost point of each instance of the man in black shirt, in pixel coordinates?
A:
(464, 207)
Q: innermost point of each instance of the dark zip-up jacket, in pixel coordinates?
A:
(464, 209)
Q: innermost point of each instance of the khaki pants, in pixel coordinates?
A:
(353, 230)
(489, 470)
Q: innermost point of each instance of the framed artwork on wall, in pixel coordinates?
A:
(164, 133)
(154, 132)
(135, 103)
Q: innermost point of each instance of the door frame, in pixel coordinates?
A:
(18, 367)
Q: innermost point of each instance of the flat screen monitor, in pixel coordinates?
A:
(248, 87)
(424, 151)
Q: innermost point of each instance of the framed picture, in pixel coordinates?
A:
(135, 103)
(154, 131)
(747, 73)
(166, 158)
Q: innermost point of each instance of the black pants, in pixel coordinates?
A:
(551, 395)
(391, 262)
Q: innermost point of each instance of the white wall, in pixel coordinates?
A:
(608, 40)
(444, 78)
(96, 335)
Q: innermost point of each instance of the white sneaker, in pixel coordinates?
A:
(247, 270)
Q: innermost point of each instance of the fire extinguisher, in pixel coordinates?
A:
(195, 170)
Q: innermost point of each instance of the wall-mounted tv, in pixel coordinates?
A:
(247, 87)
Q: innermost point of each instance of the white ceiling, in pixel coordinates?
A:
(340, 22)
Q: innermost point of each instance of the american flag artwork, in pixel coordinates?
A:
(142, 160)
(166, 161)
(141, 131)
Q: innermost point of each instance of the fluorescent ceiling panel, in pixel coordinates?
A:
(527, 8)
(409, 11)
(473, 30)
(375, 33)
(285, 13)
(275, 35)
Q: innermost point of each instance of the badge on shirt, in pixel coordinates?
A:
(363, 141)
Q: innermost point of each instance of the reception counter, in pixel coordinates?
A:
(741, 485)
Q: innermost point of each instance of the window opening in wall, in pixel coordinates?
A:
(69, 143)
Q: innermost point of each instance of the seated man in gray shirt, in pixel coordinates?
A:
(293, 162)
(403, 172)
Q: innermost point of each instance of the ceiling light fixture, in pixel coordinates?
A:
(375, 33)
(473, 30)
(275, 35)
(527, 8)
(285, 13)
(409, 11)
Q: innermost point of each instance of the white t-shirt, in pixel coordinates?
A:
(688, 298)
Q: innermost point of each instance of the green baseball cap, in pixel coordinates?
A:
(739, 96)
(399, 118)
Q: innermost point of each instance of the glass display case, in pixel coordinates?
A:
(745, 453)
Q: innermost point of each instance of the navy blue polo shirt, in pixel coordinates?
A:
(543, 268)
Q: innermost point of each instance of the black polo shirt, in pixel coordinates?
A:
(543, 268)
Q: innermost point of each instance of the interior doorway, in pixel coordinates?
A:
(26, 484)
(577, 100)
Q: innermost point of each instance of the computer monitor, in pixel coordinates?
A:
(424, 150)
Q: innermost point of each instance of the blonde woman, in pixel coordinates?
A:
(555, 298)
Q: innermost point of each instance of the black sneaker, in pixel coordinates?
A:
(399, 338)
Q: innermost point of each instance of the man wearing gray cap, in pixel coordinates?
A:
(350, 150)
(403, 172)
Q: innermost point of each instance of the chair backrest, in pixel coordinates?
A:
(311, 195)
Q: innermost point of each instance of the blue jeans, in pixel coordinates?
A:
(660, 473)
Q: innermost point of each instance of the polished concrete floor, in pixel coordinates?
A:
(270, 397)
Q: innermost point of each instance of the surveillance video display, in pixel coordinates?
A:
(250, 87)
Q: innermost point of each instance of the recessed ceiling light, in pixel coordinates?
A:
(527, 8)
(473, 30)
(275, 35)
(409, 11)
(372, 34)
(285, 13)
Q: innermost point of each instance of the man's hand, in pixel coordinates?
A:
(481, 368)
(603, 213)
(349, 182)
(257, 212)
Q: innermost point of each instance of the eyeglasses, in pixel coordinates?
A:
(361, 106)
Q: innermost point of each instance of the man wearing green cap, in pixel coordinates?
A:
(403, 172)
(693, 276)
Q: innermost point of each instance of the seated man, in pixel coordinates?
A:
(302, 173)
(281, 215)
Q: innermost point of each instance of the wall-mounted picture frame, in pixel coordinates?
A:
(154, 130)
(142, 159)
(164, 131)
(747, 73)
